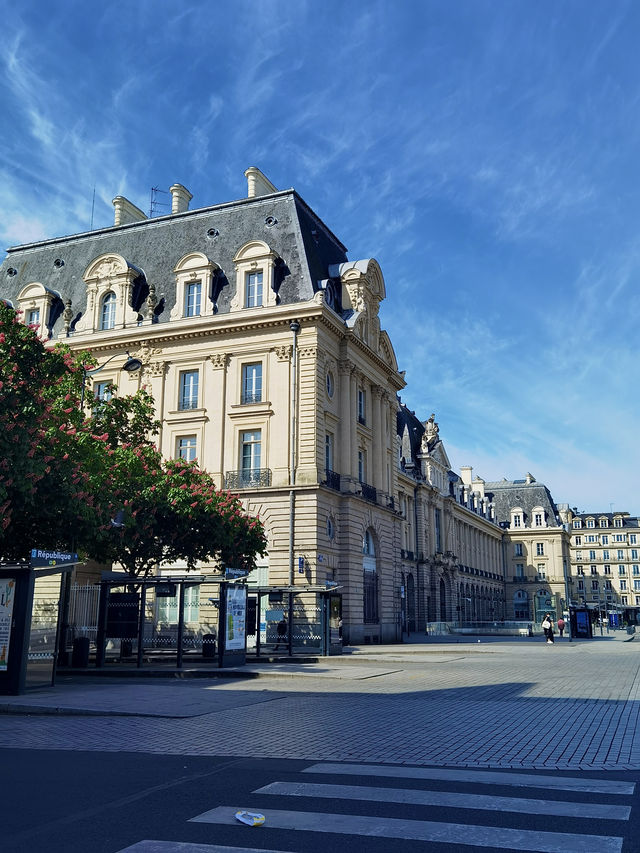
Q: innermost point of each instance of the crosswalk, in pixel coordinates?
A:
(496, 810)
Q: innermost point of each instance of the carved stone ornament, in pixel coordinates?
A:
(430, 436)
(156, 369)
(308, 351)
(219, 360)
(283, 353)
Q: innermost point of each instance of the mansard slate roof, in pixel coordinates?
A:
(507, 494)
(281, 219)
(627, 520)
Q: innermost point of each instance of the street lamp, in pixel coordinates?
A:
(130, 365)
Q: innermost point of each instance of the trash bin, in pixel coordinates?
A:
(209, 646)
(80, 654)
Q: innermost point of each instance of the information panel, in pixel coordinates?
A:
(7, 596)
(236, 617)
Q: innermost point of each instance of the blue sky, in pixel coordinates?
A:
(484, 151)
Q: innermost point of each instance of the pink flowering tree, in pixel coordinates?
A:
(93, 480)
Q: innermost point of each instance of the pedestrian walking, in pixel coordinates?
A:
(281, 629)
(547, 627)
(561, 626)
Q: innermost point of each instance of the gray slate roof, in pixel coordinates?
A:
(307, 247)
(507, 494)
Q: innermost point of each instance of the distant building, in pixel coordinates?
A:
(605, 562)
(536, 545)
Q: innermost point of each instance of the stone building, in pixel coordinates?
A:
(604, 561)
(536, 547)
(262, 346)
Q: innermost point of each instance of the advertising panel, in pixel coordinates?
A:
(7, 596)
(236, 617)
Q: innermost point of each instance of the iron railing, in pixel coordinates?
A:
(247, 479)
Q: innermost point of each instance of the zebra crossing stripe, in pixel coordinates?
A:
(495, 838)
(184, 847)
(446, 799)
(485, 777)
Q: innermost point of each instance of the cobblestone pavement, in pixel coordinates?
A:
(516, 704)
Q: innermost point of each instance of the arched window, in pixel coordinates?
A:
(108, 311)
(370, 578)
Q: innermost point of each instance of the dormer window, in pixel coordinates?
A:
(192, 299)
(256, 283)
(590, 522)
(577, 523)
(604, 522)
(33, 317)
(253, 289)
(617, 522)
(108, 311)
(35, 302)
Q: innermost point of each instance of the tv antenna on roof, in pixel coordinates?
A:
(154, 204)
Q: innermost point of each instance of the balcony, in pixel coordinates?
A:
(406, 555)
(247, 479)
(368, 492)
(332, 480)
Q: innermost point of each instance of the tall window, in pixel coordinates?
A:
(102, 391)
(438, 531)
(517, 549)
(328, 451)
(188, 390)
(517, 520)
(251, 453)
(519, 570)
(605, 554)
(192, 299)
(33, 317)
(362, 406)
(591, 523)
(370, 579)
(362, 466)
(540, 549)
(186, 448)
(605, 539)
(252, 383)
(253, 289)
(537, 519)
(592, 555)
(108, 311)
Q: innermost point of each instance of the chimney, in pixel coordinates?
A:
(257, 183)
(125, 212)
(466, 472)
(180, 198)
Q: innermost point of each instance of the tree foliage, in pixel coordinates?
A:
(93, 480)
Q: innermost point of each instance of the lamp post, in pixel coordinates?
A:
(130, 365)
(295, 328)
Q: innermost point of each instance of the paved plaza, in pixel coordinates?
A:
(514, 703)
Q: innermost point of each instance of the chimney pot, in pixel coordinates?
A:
(180, 198)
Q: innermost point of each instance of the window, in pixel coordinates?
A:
(594, 570)
(591, 523)
(637, 599)
(592, 555)
(541, 572)
(251, 452)
(438, 531)
(605, 539)
(620, 554)
(577, 524)
(607, 585)
(362, 466)
(617, 522)
(537, 519)
(540, 549)
(636, 569)
(102, 391)
(619, 537)
(581, 585)
(252, 383)
(624, 599)
(330, 384)
(623, 584)
(607, 569)
(519, 570)
(370, 579)
(592, 538)
(108, 311)
(594, 586)
(167, 608)
(578, 540)
(636, 584)
(253, 289)
(192, 299)
(634, 553)
(517, 520)
(362, 406)
(328, 451)
(632, 538)
(605, 554)
(186, 448)
(188, 390)
(578, 555)
(604, 522)
(33, 317)
(622, 570)
(331, 529)
(517, 549)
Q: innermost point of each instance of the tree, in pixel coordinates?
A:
(68, 476)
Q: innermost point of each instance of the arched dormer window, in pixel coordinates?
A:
(109, 274)
(255, 277)
(517, 517)
(108, 311)
(194, 286)
(538, 517)
(36, 301)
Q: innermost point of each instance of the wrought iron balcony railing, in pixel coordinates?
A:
(333, 480)
(250, 478)
(369, 492)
